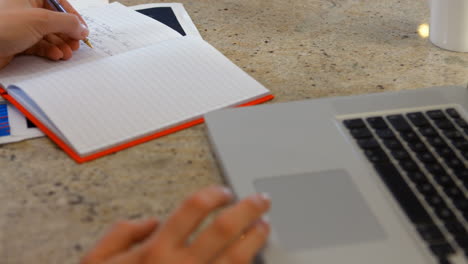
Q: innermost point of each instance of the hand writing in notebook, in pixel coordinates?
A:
(234, 236)
(31, 27)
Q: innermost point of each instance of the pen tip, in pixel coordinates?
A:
(86, 41)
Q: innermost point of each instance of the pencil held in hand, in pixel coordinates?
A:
(59, 8)
(86, 41)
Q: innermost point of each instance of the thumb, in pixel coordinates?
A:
(47, 22)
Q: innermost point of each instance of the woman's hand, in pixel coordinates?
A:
(234, 236)
(31, 27)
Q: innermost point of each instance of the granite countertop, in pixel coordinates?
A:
(52, 210)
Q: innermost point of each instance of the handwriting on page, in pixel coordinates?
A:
(106, 39)
(130, 31)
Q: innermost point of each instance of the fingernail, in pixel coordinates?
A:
(263, 226)
(226, 191)
(262, 199)
(265, 196)
(84, 31)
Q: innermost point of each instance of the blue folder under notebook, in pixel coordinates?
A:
(4, 123)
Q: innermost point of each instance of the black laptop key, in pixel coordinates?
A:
(376, 155)
(435, 168)
(390, 175)
(461, 205)
(426, 157)
(354, 123)
(399, 123)
(437, 142)
(362, 132)
(410, 136)
(444, 124)
(418, 146)
(427, 189)
(418, 119)
(431, 234)
(455, 163)
(392, 144)
(443, 179)
(435, 114)
(434, 201)
(462, 242)
(368, 143)
(377, 122)
(461, 123)
(456, 229)
(445, 152)
(442, 251)
(452, 112)
(454, 193)
(461, 145)
(462, 175)
(444, 260)
(417, 176)
(409, 165)
(445, 214)
(453, 134)
(428, 131)
(400, 154)
(403, 194)
(385, 133)
(465, 154)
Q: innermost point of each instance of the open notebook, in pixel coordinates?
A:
(109, 101)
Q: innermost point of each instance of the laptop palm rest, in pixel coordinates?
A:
(319, 209)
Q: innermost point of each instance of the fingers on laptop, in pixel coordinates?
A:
(233, 235)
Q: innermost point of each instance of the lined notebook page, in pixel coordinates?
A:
(114, 29)
(120, 98)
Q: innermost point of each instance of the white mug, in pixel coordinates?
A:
(448, 28)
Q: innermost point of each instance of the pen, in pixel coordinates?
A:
(57, 6)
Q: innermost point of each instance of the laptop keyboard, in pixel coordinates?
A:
(422, 158)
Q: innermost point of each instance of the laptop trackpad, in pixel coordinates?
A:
(320, 209)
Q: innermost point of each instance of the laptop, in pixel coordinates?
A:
(377, 178)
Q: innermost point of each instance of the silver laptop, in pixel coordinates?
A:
(378, 178)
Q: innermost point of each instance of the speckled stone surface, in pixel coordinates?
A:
(52, 210)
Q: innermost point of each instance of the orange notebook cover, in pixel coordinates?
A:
(80, 159)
